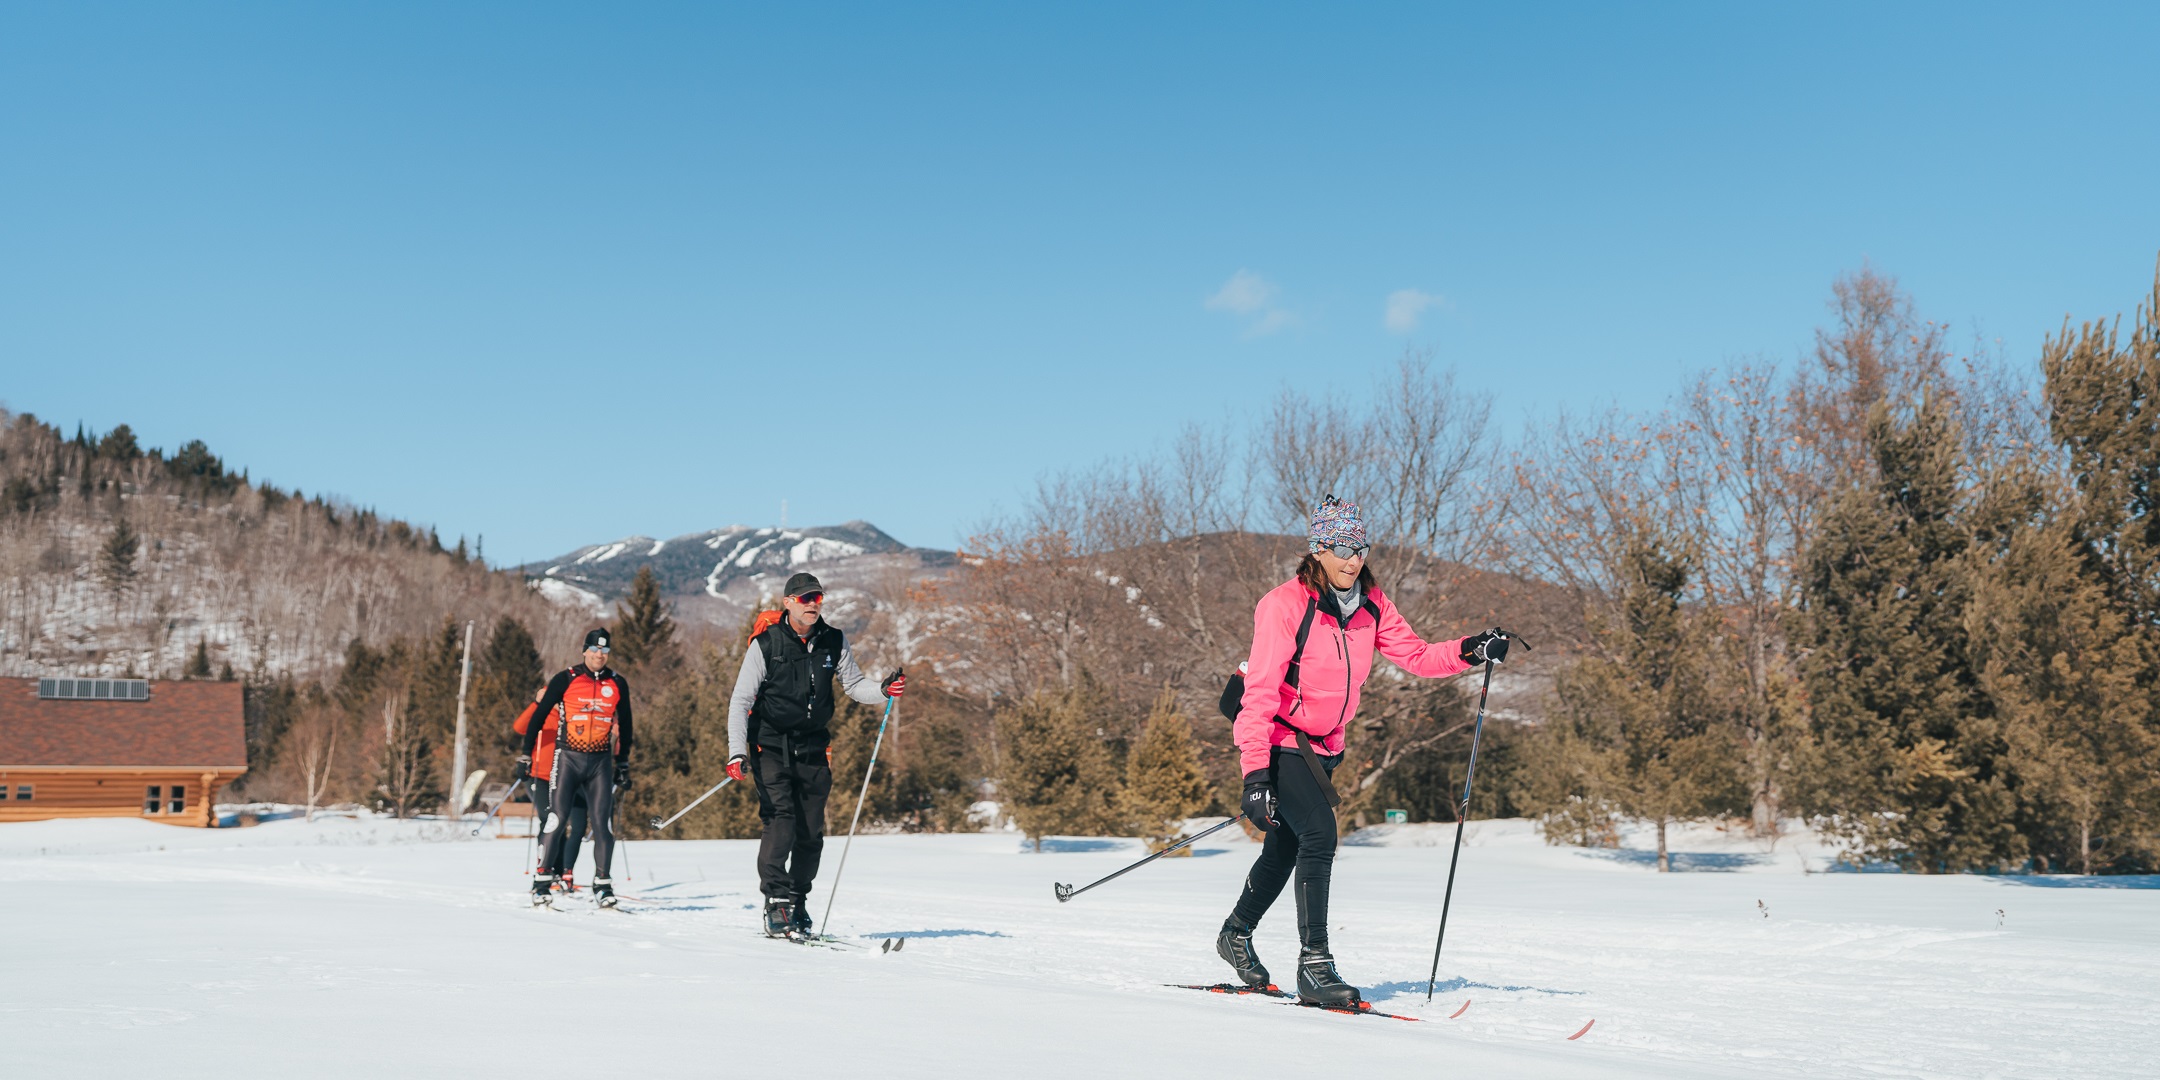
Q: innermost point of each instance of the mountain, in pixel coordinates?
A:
(723, 575)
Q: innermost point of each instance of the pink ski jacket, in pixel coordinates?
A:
(1337, 659)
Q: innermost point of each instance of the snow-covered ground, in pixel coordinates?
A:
(366, 947)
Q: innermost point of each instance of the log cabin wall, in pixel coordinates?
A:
(170, 796)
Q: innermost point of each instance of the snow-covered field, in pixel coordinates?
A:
(370, 948)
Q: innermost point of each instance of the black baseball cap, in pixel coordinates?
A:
(597, 639)
(802, 583)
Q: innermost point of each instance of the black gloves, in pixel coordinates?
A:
(524, 768)
(895, 684)
(622, 775)
(1489, 645)
(1258, 806)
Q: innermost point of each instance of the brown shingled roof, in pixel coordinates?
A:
(183, 724)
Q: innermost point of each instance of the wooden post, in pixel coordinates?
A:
(457, 757)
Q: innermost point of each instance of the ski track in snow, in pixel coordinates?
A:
(348, 947)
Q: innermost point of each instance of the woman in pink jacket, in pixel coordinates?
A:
(1290, 727)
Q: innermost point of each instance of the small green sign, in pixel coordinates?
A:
(1398, 817)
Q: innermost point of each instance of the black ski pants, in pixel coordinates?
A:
(590, 778)
(1303, 840)
(792, 788)
(573, 836)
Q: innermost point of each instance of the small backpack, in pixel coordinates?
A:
(765, 621)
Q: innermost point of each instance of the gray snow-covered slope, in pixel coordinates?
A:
(721, 575)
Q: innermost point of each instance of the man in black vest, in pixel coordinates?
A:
(779, 731)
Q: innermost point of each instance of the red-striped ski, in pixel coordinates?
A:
(1363, 1008)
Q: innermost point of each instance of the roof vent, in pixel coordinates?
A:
(94, 689)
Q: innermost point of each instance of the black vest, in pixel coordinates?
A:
(795, 701)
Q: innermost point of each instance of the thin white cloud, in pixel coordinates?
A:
(1245, 293)
(1274, 320)
(1249, 295)
(1405, 306)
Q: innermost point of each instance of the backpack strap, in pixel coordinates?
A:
(1290, 676)
(1304, 630)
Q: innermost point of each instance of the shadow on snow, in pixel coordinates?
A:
(2080, 881)
(1454, 986)
(1683, 862)
(932, 933)
(1067, 845)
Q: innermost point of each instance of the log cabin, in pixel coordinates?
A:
(154, 749)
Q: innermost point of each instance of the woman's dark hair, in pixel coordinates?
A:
(1314, 575)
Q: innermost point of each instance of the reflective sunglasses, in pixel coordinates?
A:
(810, 598)
(1347, 551)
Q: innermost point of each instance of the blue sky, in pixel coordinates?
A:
(559, 273)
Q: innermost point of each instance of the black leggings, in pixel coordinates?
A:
(590, 777)
(572, 836)
(1303, 839)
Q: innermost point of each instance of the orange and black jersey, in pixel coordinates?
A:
(591, 710)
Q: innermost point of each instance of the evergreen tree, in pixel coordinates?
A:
(267, 709)
(358, 677)
(1911, 761)
(682, 751)
(1641, 730)
(1164, 784)
(2092, 756)
(198, 665)
(507, 675)
(116, 559)
(2104, 409)
(119, 445)
(2063, 675)
(431, 705)
(1059, 777)
(644, 628)
(194, 461)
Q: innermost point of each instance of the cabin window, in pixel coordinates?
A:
(22, 791)
(179, 798)
(3, 792)
(152, 802)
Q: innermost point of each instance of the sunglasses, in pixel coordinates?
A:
(601, 649)
(809, 598)
(1347, 551)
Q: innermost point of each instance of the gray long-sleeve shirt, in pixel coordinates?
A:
(852, 682)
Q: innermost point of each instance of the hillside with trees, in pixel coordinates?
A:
(1908, 596)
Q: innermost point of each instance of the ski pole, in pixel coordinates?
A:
(507, 796)
(659, 824)
(834, 893)
(1462, 816)
(1067, 892)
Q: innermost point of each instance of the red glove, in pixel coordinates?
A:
(735, 767)
(895, 684)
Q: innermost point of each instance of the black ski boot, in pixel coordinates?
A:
(776, 917)
(1317, 983)
(603, 892)
(543, 891)
(1234, 945)
(799, 923)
